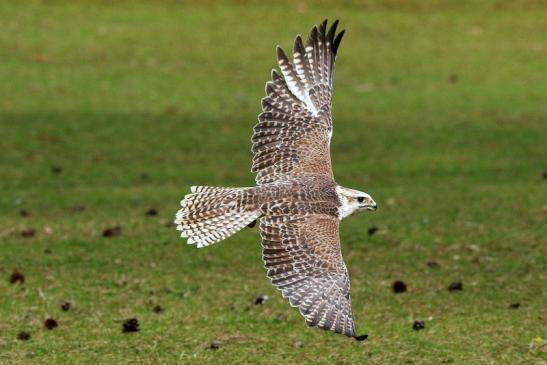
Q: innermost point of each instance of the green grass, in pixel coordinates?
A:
(440, 114)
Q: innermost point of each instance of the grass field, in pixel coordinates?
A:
(110, 109)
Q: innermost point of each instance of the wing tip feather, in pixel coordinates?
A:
(280, 53)
(337, 40)
(361, 337)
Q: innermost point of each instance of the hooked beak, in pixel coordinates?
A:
(371, 205)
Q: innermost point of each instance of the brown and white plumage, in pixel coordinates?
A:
(296, 197)
(303, 258)
(295, 126)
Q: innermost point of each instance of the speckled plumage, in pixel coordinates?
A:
(296, 198)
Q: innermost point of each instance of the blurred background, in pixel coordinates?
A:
(109, 111)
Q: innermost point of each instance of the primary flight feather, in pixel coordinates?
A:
(297, 200)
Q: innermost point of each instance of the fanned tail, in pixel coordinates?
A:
(211, 214)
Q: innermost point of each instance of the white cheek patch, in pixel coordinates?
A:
(346, 208)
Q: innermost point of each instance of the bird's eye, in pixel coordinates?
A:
(361, 199)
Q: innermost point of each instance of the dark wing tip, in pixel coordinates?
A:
(337, 41)
(361, 337)
(298, 44)
(332, 30)
(311, 32)
(323, 29)
(270, 88)
(275, 75)
(281, 55)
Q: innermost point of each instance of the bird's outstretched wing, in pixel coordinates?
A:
(295, 126)
(302, 255)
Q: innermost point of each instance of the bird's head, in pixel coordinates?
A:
(353, 201)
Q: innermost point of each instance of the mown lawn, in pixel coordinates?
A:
(109, 109)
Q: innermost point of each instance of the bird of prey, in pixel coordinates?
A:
(296, 198)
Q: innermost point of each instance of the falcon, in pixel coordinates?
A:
(296, 199)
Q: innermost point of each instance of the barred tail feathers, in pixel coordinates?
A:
(211, 214)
